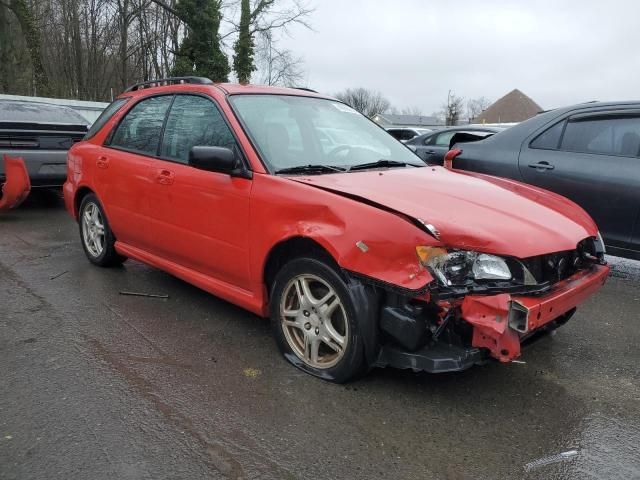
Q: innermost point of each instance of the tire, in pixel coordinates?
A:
(314, 321)
(95, 235)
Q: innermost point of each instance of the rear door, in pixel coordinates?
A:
(200, 219)
(122, 165)
(591, 158)
(433, 149)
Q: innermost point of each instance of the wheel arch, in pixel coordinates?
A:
(290, 248)
(81, 192)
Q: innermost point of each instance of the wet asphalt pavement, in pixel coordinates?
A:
(96, 385)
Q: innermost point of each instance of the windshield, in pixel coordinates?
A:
(292, 131)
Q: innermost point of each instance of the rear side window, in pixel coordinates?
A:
(443, 139)
(408, 134)
(619, 135)
(104, 117)
(194, 121)
(397, 134)
(550, 138)
(140, 129)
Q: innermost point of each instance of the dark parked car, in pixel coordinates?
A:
(432, 146)
(41, 134)
(406, 133)
(588, 153)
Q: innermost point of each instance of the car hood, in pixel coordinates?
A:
(470, 211)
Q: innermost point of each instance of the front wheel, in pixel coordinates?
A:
(97, 238)
(313, 320)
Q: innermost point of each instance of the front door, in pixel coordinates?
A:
(200, 219)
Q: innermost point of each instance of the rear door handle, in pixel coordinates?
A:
(164, 176)
(541, 166)
(102, 162)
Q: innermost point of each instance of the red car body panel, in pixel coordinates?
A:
(469, 211)
(17, 184)
(217, 231)
(489, 313)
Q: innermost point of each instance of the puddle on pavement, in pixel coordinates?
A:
(606, 448)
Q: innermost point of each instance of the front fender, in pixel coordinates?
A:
(367, 241)
(17, 185)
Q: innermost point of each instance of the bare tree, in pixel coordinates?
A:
(92, 49)
(475, 106)
(26, 18)
(453, 109)
(277, 66)
(367, 102)
(261, 18)
(415, 111)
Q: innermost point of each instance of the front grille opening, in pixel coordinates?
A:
(555, 267)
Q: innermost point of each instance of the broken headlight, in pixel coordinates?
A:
(457, 267)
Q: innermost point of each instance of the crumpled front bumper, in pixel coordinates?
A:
(501, 322)
(17, 185)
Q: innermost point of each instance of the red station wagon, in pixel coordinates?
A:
(294, 206)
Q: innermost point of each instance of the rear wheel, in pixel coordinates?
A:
(313, 320)
(96, 236)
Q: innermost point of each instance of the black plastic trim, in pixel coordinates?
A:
(433, 358)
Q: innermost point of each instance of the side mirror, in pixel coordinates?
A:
(213, 159)
(412, 148)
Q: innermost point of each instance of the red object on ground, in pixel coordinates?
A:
(17, 185)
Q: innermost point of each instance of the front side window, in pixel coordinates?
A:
(614, 135)
(140, 129)
(291, 131)
(194, 121)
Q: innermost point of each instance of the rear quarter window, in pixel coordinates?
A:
(105, 116)
(550, 138)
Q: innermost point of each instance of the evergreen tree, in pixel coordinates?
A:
(244, 47)
(200, 53)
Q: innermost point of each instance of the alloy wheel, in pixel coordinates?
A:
(93, 233)
(314, 321)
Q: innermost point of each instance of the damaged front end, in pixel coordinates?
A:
(483, 305)
(16, 186)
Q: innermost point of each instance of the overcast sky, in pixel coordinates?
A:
(413, 51)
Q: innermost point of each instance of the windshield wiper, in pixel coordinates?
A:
(311, 169)
(381, 163)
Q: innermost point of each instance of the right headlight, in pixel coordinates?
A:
(457, 267)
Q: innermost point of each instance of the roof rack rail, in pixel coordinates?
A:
(161, 82)
(305, 89)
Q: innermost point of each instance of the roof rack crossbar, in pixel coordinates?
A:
(169, 81)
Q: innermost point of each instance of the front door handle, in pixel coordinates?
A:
(164, 176)
(541, 166)
(102, 162)
(430, 152)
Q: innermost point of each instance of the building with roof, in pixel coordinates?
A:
(515, 106)
(394, 120)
